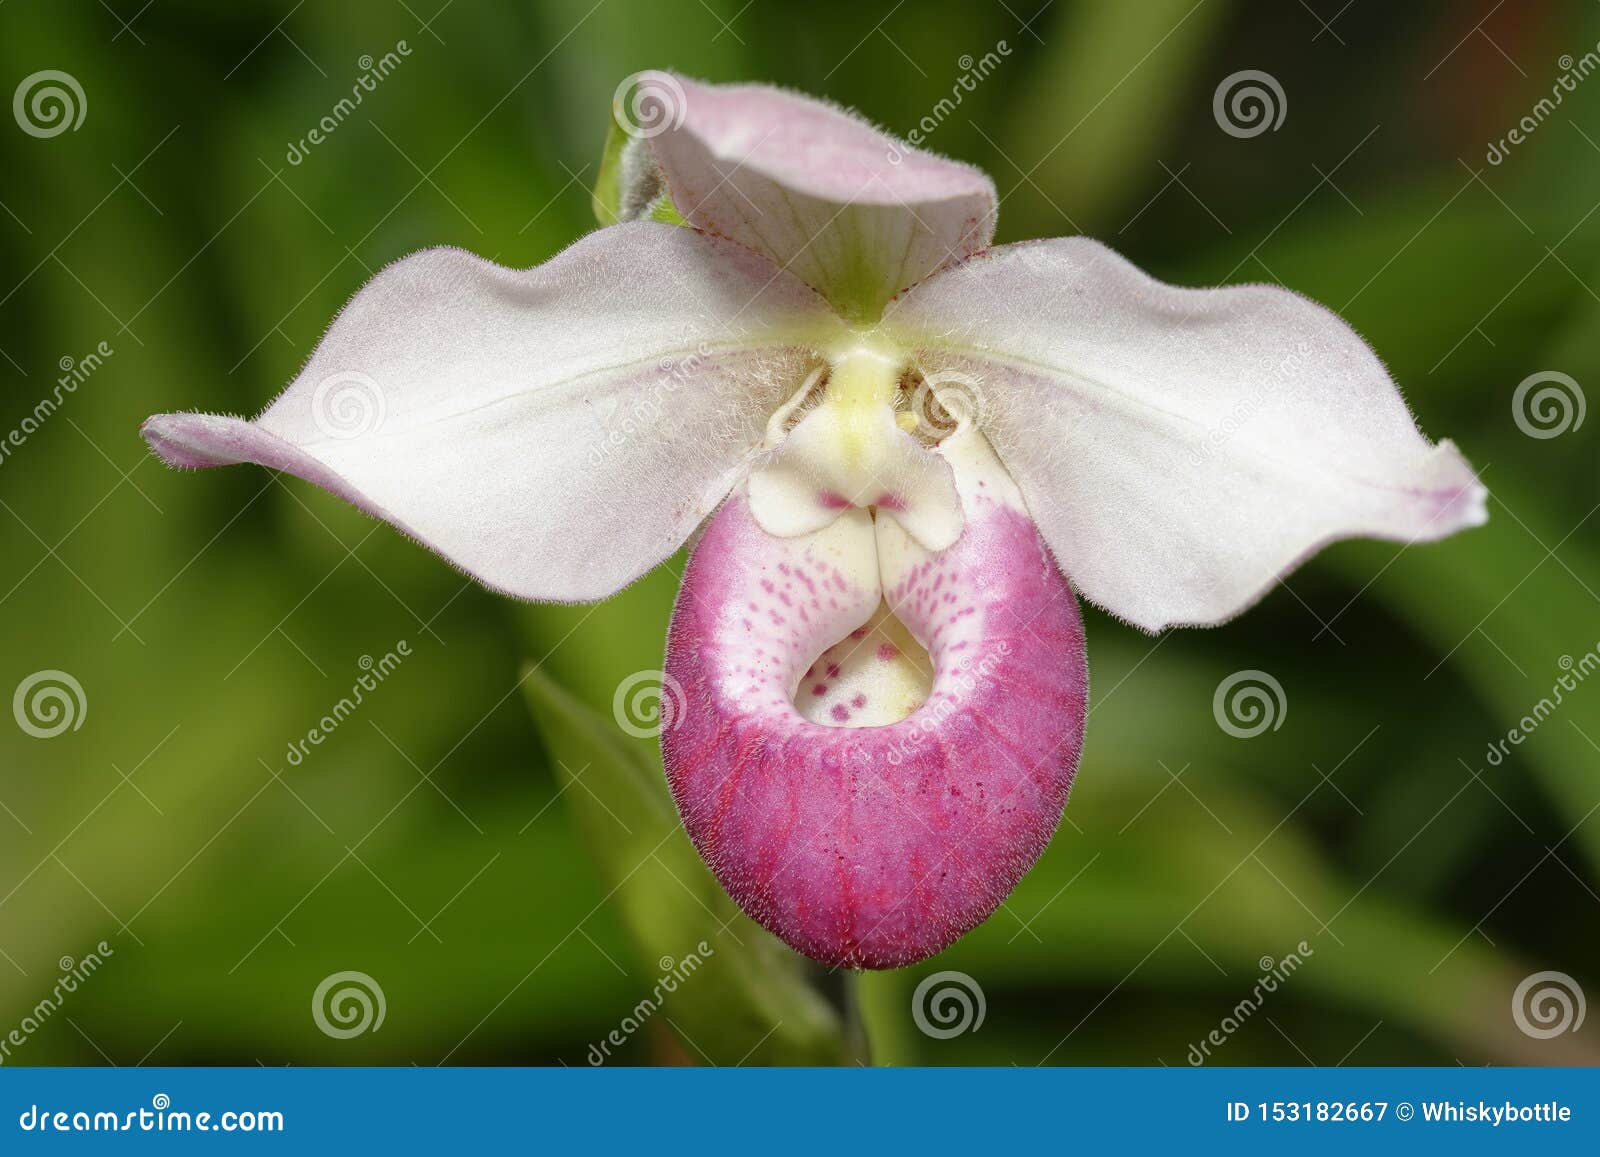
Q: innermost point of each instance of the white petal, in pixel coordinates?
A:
(556, 431)
(1181, 449)
(848, 209)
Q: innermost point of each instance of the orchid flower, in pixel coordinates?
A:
(903, 449)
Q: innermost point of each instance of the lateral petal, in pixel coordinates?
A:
(555, 432)
(1180, 449)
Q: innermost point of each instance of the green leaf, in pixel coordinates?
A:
(607, 197)
(1128, 901)
(750, 999)
(1520, 616)
(1092, 115)
(666, 212)
(608, 189)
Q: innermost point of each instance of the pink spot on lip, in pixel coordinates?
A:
(820, 690)
(833, 500)
(891, 502)
(841, 712)
(888, 652)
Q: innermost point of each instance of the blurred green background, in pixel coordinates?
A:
(485, 844)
